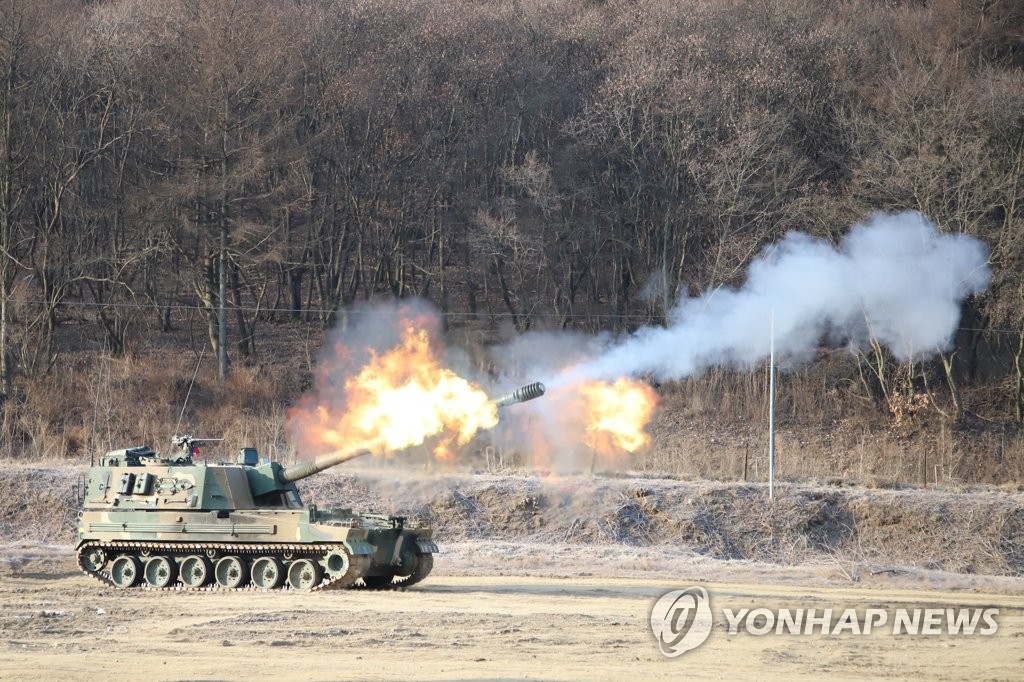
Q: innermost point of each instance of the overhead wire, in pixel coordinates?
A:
(356, 311)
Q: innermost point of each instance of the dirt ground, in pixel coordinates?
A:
(547, 620)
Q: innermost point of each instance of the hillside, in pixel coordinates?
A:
(184, 180)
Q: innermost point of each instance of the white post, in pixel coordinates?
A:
(771, 412)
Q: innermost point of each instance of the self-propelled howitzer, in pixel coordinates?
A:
(170, 522)
(175, 523)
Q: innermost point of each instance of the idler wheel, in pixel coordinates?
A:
(231, 572)
(126, 571)
(196, 570)
(337, 563)
(304, 574)
(267, 573)
(94, 559)
(161, 571)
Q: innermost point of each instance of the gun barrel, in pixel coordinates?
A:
(521, 394)
(315, 466)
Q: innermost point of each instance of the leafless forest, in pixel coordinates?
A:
(523, 165)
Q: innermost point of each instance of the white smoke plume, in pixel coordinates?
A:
(895, 279)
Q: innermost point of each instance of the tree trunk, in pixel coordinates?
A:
(222, 314)
(5, 233)
(1018, 365)
(245, 329)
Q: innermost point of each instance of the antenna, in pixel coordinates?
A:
(190, 385)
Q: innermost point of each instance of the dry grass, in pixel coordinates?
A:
(98, 402)
(709, 427)
(39, 504)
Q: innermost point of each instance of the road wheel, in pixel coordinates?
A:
(267, 573)
(126, 571)
(304, 574)
(161, 571)
(231, 572)
(196, 571)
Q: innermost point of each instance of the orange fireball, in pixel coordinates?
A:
(616, 414)
(387, 398)
(398, 399)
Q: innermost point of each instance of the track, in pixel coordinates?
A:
(358, 565)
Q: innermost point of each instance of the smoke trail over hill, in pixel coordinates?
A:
(895, 279)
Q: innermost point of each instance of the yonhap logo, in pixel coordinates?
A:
(681, 620)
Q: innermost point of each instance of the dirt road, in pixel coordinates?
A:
(57, 624)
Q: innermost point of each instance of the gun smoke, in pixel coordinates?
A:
(894, 279)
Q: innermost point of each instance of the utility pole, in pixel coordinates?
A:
(771, 412)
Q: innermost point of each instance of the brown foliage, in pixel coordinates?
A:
(554, 163)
